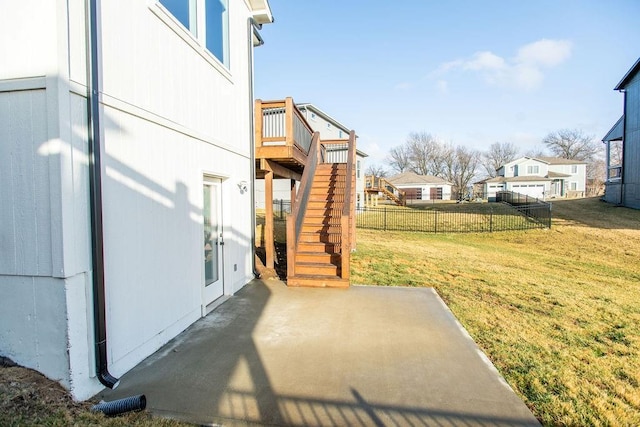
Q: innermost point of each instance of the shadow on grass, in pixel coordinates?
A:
(593, 212)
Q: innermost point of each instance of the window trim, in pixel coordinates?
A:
(191, 39)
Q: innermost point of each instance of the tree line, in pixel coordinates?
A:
(424, 154)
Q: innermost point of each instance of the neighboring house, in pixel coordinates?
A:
(422, 187)
(329, 129)
(541, 178)
(123, 173)
(623, 146)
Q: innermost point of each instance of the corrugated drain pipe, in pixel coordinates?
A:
(95, 189)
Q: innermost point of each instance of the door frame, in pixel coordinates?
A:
(210, 296)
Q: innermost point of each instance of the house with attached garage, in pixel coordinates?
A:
(541, 178)
(126, 162)
(422, 187)
(623, 146)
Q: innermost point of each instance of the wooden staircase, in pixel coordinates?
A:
(381, 185)
(318, 259)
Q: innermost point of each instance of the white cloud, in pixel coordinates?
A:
(524, 71)
(544, 53)
(484, 61)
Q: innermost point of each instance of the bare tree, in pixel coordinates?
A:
(498, 154)
(425, 154)
(572, 144)
(461, 164)
(375, 170)
(536, 152)
(400, 158)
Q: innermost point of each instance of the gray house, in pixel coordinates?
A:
(623, 146)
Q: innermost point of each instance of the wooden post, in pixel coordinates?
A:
(258, 123)
(269, 243)
(293, 193)
(289, 129)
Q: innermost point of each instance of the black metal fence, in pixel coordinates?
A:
(460, 218)
(531, 207)
(280, 209)
(447, 218)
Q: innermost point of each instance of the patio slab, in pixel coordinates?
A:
(363, 356)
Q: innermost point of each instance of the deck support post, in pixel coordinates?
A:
(269, 243)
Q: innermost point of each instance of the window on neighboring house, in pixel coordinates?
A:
(533, 169)
(357, 167)
(213, 19)
(574, 186)
(574, 168)
(340, 133)
(313, 116)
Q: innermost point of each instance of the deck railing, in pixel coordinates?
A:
(280, 123)
(348, 209)
(296, 217)
(379, 184)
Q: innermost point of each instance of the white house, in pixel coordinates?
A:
(329, 129)
(126, 159)
(541, 178)
(422, 187)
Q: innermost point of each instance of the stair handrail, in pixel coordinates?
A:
(299, 208)
(347, 210)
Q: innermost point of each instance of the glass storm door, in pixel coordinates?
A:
(213, 242)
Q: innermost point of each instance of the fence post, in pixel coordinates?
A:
(491, 220)
(385, 219)
(435, 222)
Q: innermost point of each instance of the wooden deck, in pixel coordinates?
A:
(321, 226)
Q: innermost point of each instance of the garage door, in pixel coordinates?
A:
(531, 190)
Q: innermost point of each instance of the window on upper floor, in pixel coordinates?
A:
(533, 169)
(207, 21)
(357, 166)
(340, 133)
(574, 168)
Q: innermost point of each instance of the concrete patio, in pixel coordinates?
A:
(365, 356)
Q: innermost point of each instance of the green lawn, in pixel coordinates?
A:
(557, 311)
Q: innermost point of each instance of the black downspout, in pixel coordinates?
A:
(95, 199)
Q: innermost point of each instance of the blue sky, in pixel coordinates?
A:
(469, 72)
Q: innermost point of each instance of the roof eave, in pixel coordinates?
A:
(261, 11)
(627, 77)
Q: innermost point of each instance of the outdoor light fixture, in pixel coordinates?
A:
(243, 186)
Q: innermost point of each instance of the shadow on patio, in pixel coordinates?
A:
(362, 356)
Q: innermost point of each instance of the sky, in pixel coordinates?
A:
(468, 72)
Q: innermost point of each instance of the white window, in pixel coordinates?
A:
(574, 186)
(207, 20)
(340, 133)
(357, 168)
(313, 116)
(574, 168)
(533, 169)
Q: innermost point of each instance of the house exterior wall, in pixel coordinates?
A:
(171, 115)
(579, 177)
(426, 189)
(631, 162)
(327, 129)
(520, 167)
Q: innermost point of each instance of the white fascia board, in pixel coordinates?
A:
(261, 11)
